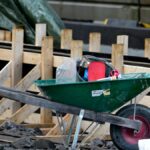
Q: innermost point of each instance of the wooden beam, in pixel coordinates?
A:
(58, 60)
(147, 48)
(17, 55)
(48, 125)
(23, 85)
(76, 49)
(56, 129)
(17, 60)
(46, 72)
(5, 54)
(123, 39)
(28, 80)
(47, 58)
(135, 69)
(40, 33)
(2, 35)
(59, 138)
(8, 36)
(31, 58)
(98, 132)
(94, 42)
(28, 57)
(5, 73)
(117, 56)
(66, 38)
(20, 115)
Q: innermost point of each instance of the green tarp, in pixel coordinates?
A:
(28, 13)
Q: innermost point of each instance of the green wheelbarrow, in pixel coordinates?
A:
(100, 98)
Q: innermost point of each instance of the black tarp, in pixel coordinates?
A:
(27, 13)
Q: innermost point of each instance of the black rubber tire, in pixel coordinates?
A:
(116, 132)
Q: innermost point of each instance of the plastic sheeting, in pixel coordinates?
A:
(28, 13)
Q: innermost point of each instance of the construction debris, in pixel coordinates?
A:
(14, 136)
(98, 144)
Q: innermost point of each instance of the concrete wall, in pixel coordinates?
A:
(101, 9)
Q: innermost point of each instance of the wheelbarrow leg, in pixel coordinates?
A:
(74, 144)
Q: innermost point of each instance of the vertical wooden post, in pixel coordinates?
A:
(147, 48)
(2, 35)
(17, 55)
(46, 72)
(123, 39)
(17, 60)
(76, 49)
(117, 56)
(66, 38)
(40, 32)
(95, 42)
(76, 52)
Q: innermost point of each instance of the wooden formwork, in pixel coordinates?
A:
(11, 73)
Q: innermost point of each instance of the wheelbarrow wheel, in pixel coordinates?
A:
(125, 138)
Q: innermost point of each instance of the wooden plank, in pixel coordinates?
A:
(5, 103)
(47, 58)
(2, 35)
(33, 118)
(93, 134)
(135, 69)
(8, 36)
(123, 39)
(59, 138)
(28, 57)
(94, 42)
(58, 60)
(76, 49)
(100, 131)
(56, 129)
(117, 56)
(5, 54)
(40, 33)
(66, 38)
(20, 115)
(147, 48)
(23, 85)
(46, 125)
(46, 72)
(17, 55)
(5, 73)
(28, 80)
(17, 61)
(31, 58)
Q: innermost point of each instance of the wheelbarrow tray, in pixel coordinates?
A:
(99, 96)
